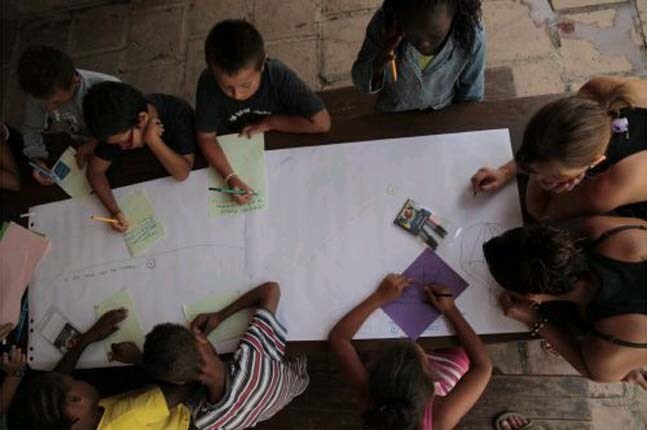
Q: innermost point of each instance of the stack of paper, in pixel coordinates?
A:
(20, 252)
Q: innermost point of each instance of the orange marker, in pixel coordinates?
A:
(103, 219)
(394, 70)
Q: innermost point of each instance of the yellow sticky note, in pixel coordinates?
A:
(145, 230)
(71, 177)
(247, 158)
(130, 329)
(231, 328)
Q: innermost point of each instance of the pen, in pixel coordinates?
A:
(230, 191)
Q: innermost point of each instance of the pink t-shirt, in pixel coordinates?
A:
(449, 365)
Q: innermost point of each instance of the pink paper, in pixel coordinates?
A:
(20, 252)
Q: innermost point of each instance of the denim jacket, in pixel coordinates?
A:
(452, 76)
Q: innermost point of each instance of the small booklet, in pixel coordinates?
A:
(58, 330)
(421, 223)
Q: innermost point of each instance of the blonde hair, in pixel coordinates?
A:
(573, 130)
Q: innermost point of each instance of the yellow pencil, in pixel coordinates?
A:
(394, 70)
(103, 219)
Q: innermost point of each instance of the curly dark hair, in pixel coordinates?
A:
(170, 354)
(467, 16)
(399, 387)
(40, 404)
(536, 260)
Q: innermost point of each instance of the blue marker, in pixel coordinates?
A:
(44, 172)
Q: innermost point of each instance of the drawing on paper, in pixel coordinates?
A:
(472, 261)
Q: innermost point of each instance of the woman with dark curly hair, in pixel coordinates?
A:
(604, 275)
(421, 54)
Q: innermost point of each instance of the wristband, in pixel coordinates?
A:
(229, 176)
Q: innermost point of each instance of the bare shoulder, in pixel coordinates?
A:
(627, 245)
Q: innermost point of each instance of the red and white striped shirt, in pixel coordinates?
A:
(261, 380)
(449, 366)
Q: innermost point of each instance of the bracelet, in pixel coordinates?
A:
(229, 176)
(538, 326)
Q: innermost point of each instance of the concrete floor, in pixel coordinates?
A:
(545, 47)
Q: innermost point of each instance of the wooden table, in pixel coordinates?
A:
(353, 120)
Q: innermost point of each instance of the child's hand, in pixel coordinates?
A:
(237, 184)
(153, 130)
(205, 323)
(125, 352)
(122, 225)
(85, 151)
(105, 326)
(5, 329)
(14, 362)
(43, 180)
(392, 286)
(440, 297)
(261, 126)
(392, 38)
(488, 179)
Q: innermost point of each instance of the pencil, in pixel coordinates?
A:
(394, 70)
(228, 190)
(104, 219)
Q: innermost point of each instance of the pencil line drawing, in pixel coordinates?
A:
(472, 261)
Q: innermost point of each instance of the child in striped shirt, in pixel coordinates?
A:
(397, 390)
(260, 380)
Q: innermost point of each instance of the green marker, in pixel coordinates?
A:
(229, 191)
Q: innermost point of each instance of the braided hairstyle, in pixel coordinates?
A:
(400, 389)
(467, 16)
(536, 260)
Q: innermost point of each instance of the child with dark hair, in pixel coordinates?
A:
(57, 401)
(243, 91)
(121, 118)
(9, 175)
(55, 91)
(585, 154)
(603, 276)
(421, 54)
(399, 388)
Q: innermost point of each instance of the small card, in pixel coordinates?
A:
(58, 330)
(145, 229)
(70, 176)
(130, 329)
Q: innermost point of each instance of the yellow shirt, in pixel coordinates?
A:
(142, 410)
(424, 60)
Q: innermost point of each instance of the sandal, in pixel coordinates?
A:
(549, 349)
(498, 423)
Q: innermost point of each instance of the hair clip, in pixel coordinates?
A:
(620, 125)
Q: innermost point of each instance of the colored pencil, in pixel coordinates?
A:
(394, 70)
(104, 219)
(229, 191)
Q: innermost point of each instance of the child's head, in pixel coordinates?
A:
(401, 386)
(566, 137)
(170, 354)
(116, 113)
(53, 401)
(426, 23)
(47, 74)
(536, 260)
(235, 54)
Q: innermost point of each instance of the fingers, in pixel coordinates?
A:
(197, 325)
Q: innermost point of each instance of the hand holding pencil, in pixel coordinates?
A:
(440, 297)
(118, 223)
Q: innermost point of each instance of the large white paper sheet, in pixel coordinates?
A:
(327, 237)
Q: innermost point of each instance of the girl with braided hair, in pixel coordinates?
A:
(421, 54)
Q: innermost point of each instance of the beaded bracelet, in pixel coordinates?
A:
(538, 326)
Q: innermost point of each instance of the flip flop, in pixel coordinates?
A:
(505, 415)
(549, 349)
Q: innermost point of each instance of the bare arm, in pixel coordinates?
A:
(623, 183)
(318, 123)
(9, 177)
(179, 166)
(96, 174)
(214, 154)
(448, 411)
(603, 88)
(341, 335)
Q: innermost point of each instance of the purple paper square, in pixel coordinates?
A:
(411, 312)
